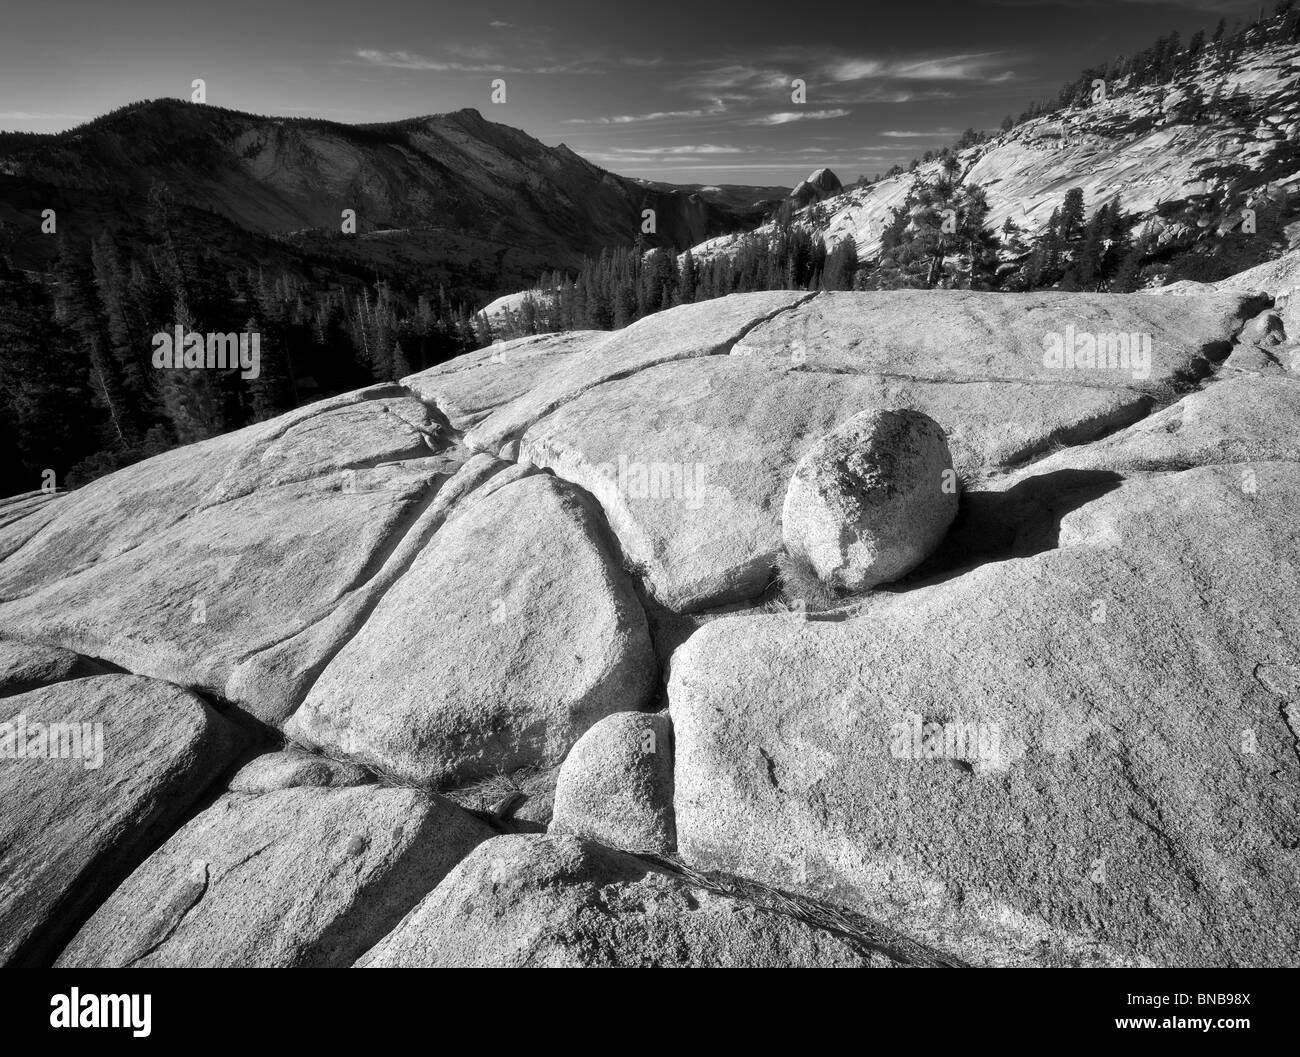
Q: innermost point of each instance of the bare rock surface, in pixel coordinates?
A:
(93, 774)
(25, 666)
(1068, 758)
(616, 784)
(470, 387)
(704, 329)
(960, 334)
(1232, 420)
(22, 516)
(690, 461)
(190, 565)
(300, 877)
(511, 634)
(1067, 736)
(535, 901)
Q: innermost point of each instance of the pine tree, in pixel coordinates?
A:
(841, 265)
(690, 278)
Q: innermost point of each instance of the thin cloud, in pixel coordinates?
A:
(406, 60)
(718, 107)
(968, 67)
(734, 76)
(25, 115)
(838, 78)
(787, 117)
(857, 96)
(698, 148)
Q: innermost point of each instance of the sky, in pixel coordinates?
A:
(680, 90)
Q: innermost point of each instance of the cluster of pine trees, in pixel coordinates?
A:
(1072, 253)
(623, 285)
(79, 394)
(938, 238)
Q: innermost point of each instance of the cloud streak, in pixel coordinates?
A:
(24, 115)
(406, 60)
(679, 149)
(787, 117)
(969, 67)
(718, 107)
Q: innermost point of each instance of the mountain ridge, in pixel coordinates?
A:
(1181, 158)
(502, 190)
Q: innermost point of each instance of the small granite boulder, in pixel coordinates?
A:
(292, 769)
(871, 499)
(617, 784)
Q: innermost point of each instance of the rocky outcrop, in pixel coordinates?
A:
(192, 565)
(470, 387)
(519, 585)
(556, 902)
(959, 335)
(1067, 736)
(704, 329)
(299, 877)
(93, 774)
(821, 184)
(22, 516)
(690, 460)
(1067, 758)
(24, 666)
(1235, 420)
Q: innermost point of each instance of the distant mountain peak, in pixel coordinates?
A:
(821, 183)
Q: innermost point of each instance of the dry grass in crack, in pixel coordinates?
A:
(859, 930)
(801, 587)
(497, 794)
(1165, 392)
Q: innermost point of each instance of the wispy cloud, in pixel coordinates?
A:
(678, 149)
(25, 115)
(406, 60)
(970, 67)
(718, 107)
(786, 117)
(863, 94)
(496, 23)
(733, 77)
(836, 78)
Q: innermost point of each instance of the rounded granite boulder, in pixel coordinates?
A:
(617, 784)
(871, 499)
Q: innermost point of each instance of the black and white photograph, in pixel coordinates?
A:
(669, 485)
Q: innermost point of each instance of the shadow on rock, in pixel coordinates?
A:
(1018, 523)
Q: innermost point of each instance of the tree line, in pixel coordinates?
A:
(79, 394)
